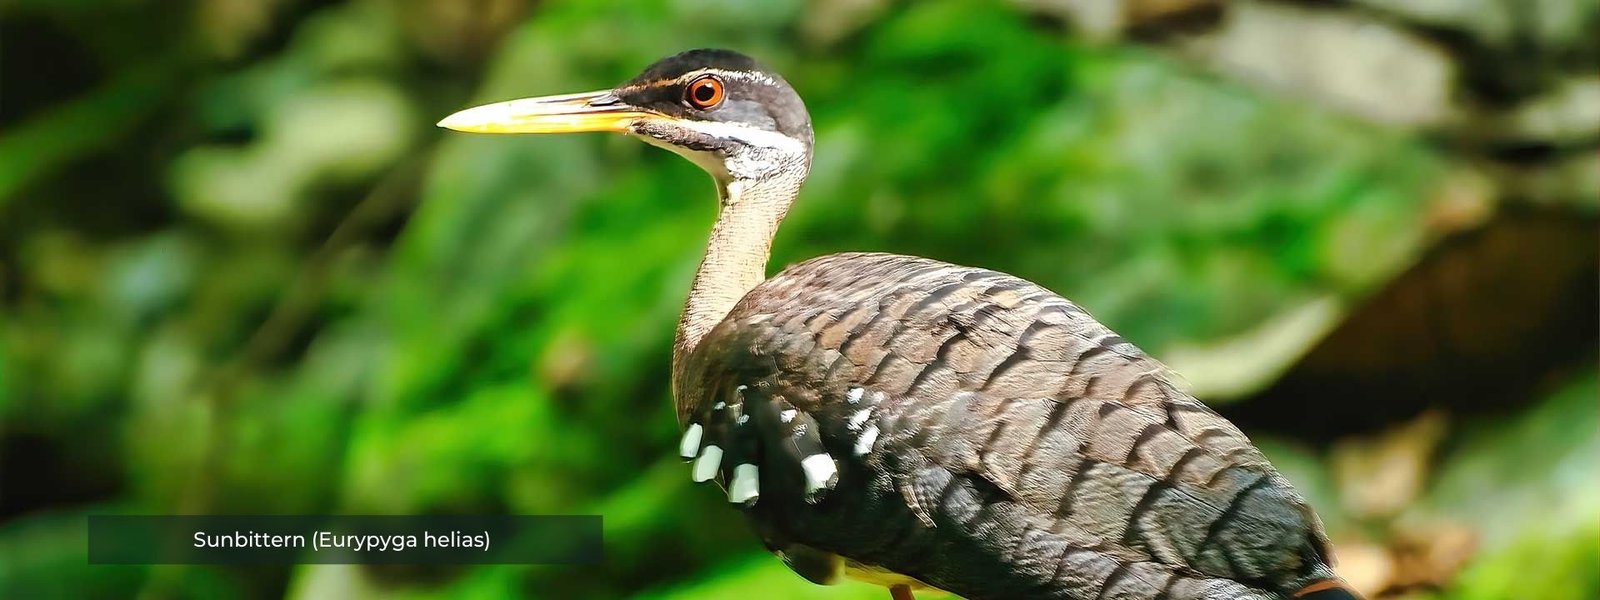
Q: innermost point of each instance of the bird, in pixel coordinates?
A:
(922, 425)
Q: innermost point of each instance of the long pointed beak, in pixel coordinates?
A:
(568, 113)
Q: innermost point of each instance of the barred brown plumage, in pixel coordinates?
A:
(921, 424)
(1005, 418)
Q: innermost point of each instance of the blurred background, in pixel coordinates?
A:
(241, 271)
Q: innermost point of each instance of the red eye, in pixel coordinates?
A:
(704, 93)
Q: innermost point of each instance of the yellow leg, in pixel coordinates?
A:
(901, 592)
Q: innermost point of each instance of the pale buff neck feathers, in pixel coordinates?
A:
(736, 256)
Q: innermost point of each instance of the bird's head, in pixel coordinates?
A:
(721, 109)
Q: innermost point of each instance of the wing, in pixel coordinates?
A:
(960, 425)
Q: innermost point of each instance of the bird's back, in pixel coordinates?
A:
(982, 435)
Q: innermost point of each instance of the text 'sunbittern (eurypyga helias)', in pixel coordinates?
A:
(920, 424)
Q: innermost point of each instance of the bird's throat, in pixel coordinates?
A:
(736, 256)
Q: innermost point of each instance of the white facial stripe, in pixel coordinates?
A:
(748, 135)
(689, 77)
(761, 78)
(711, 163)
(760, 152)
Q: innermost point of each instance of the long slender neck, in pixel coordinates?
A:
(736, 257)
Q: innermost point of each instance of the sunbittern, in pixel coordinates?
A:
(920, 424)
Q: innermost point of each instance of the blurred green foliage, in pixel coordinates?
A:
(220, 297)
